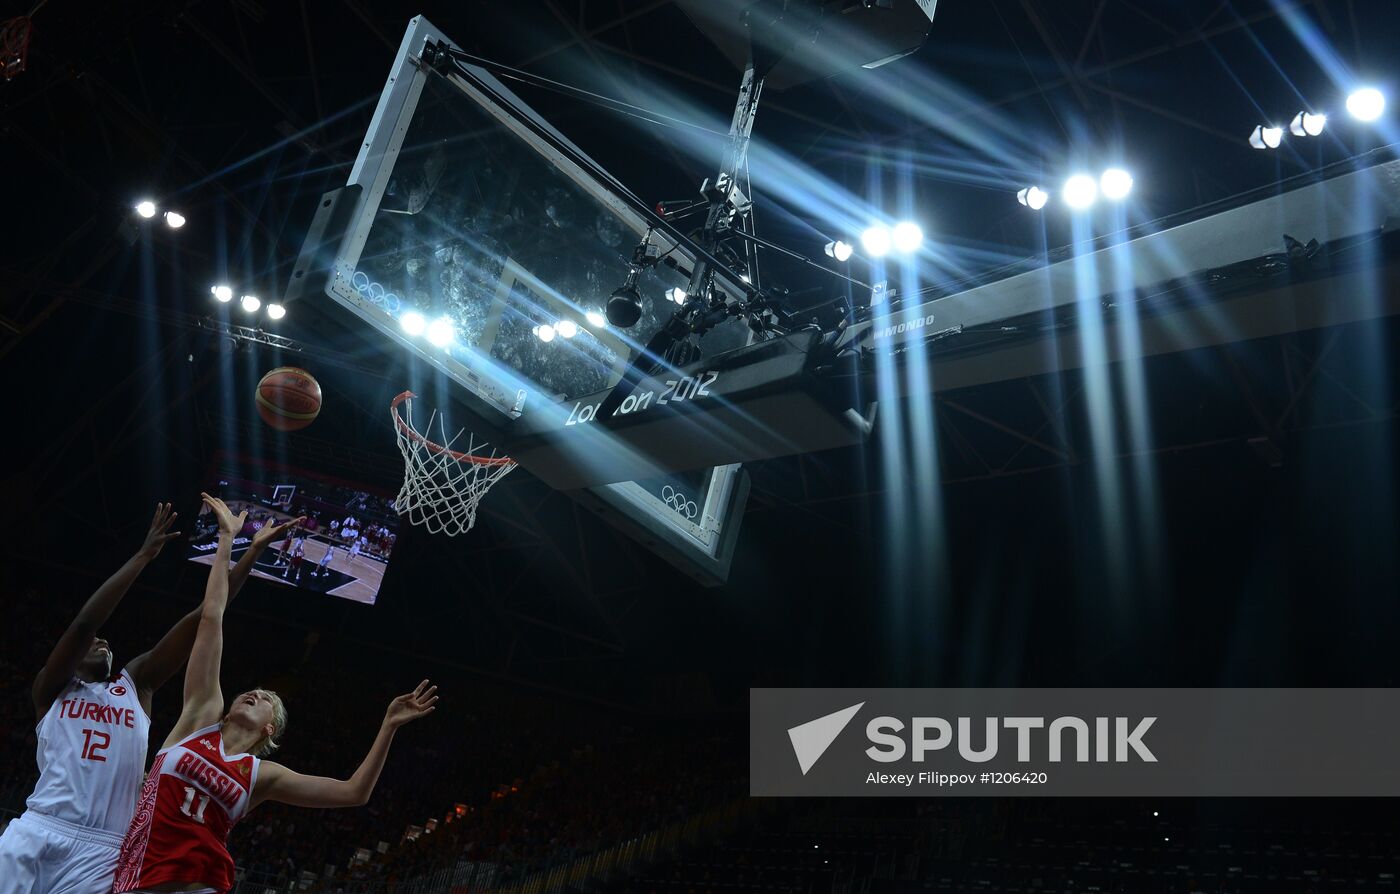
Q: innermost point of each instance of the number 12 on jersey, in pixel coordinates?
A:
(94, 743)
(190, 796)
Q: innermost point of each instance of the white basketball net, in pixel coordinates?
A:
(443, 482)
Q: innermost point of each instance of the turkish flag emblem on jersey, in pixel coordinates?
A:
(118, 689)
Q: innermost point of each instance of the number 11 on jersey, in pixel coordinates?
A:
(190, 795)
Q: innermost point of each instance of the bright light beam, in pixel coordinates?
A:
(413, 323)
(877, 241)
(1033, 197)
(907, 237)
(441, 332)
(1116, 183)
(1081, 191)
(1366, 104)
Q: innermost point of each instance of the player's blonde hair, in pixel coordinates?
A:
(269, 744)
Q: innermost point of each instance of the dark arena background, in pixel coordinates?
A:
(1183, 474)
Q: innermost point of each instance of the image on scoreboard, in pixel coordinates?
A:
(342, 549)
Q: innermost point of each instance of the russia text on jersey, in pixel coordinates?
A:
(211, 779)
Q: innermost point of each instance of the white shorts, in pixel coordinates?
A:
(40, 853)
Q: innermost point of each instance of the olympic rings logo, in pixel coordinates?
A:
(677, 501)
(384, 300)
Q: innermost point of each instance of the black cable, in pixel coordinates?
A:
(563, 147)
(598, 99)
(763, 243)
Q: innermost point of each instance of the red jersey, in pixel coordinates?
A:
(193, 796)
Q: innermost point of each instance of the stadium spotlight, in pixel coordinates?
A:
(146, 208)
(877, 241)
(413, 323)
(1266, 137)
(907, 237)
(676, 295)
(595, 319)
(1307, 124)
(276, 311)
(1033, 197)
(250, 303)
(440, 332)
(839, 250)
(566, 328)
(1080, 191)
(1115, 184)
(1366, 104)
(174, 219)
(544, 332)
(222, 294)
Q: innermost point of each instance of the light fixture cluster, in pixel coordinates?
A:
(879, 240)
(546, 332)
(147, 208)
(250, 303)
(440, 331)
(1364, 104)
(1081, 191)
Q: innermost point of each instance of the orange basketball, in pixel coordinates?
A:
(289, 398)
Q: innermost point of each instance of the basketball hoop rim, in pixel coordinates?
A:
(433, 446)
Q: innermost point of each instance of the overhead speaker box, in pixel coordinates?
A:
(797, 41)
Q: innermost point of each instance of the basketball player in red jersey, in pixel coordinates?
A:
(92, 732)
(209, 772)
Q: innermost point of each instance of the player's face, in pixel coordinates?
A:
(97, 663)
(253, 709)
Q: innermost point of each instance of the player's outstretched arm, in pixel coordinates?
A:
(277, 783)
(75, 642)
(152, 669)
(204, 700)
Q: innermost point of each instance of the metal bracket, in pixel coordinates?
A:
(862, 424)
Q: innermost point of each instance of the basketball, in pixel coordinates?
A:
(288, 398)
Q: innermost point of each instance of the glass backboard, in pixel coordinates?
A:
(488, 253)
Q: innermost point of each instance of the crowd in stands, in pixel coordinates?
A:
(1127, 845)
(599, 795)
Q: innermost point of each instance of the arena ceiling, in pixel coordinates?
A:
(241, 113)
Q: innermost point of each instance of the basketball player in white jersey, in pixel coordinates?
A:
(92, 732)
(210, 773)
(324, 561)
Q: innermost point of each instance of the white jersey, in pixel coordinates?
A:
(92, 755)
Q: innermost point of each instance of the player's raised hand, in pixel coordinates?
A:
(270, 532)
(159, 533)
(228, 522)
(419, 703)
